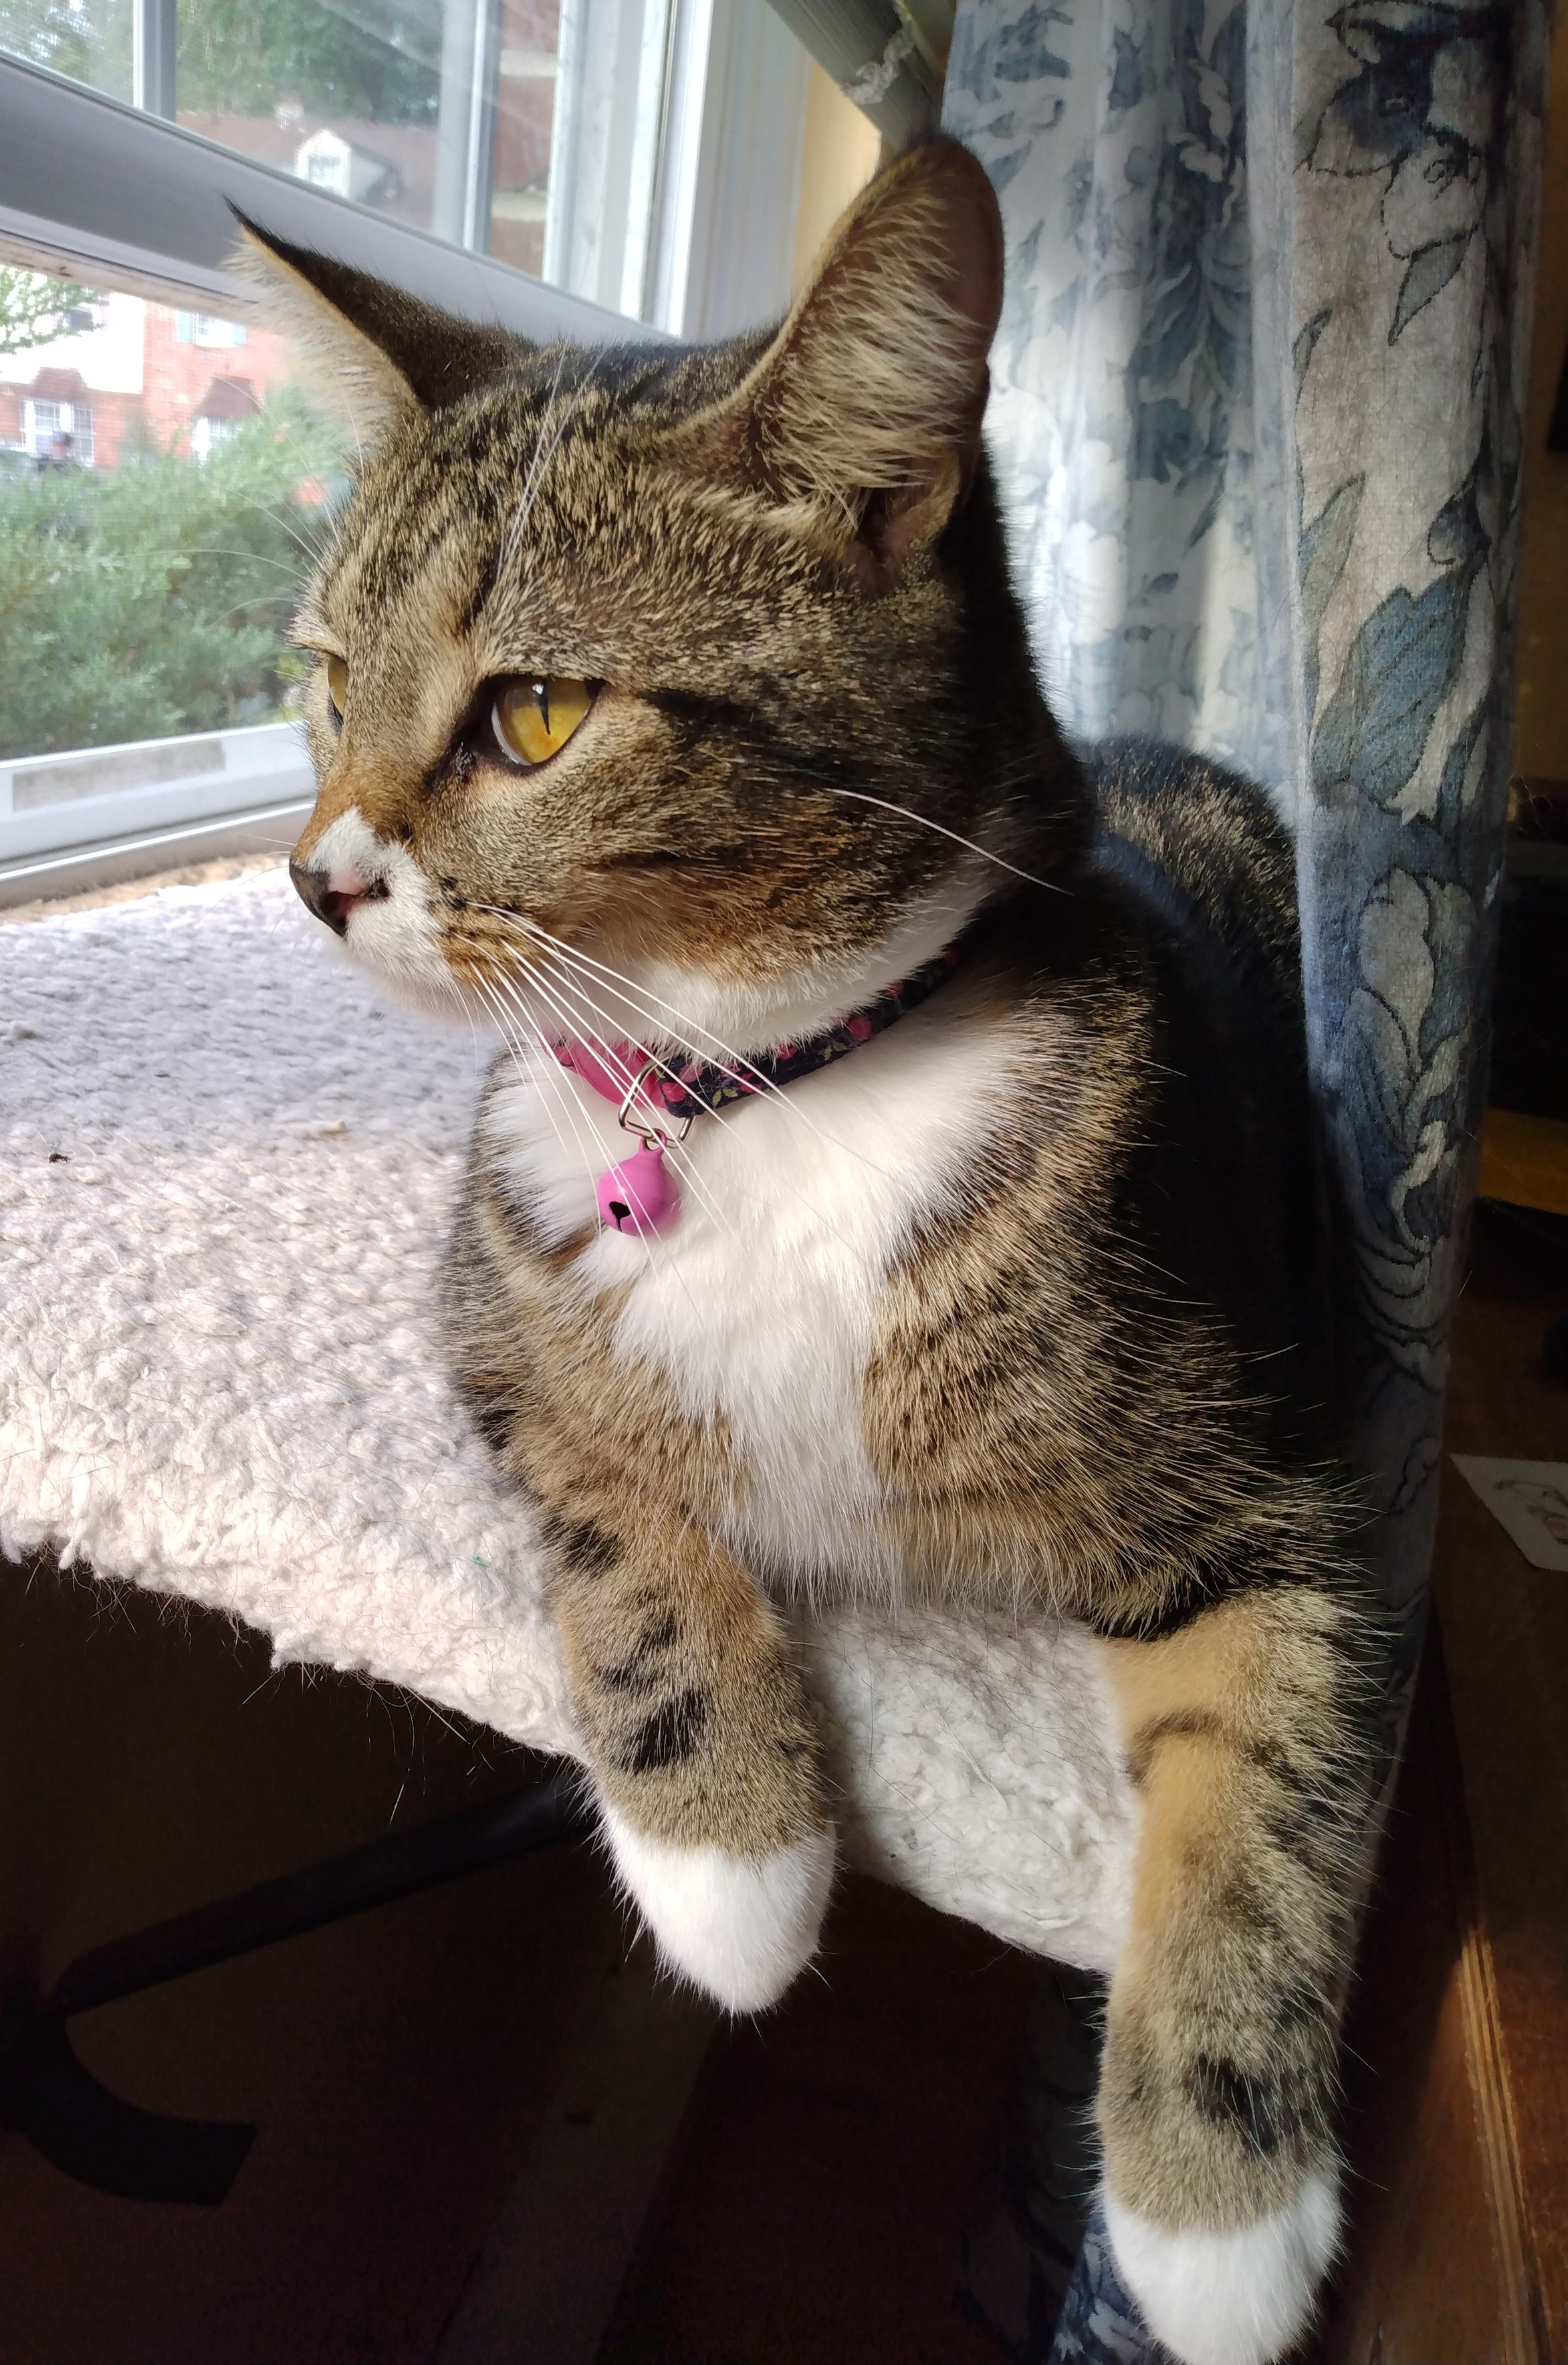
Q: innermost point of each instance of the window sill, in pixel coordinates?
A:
(269, 829)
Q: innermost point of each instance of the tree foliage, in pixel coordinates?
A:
(90, 43)
(33, 307)
(157, 599)
(378, 59)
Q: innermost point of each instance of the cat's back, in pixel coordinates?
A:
(1229, 1186)
(1205, 844)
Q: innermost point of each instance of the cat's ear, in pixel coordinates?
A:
(866, 407)
(374, 353)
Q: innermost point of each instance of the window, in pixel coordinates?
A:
(202, 329)
(563, 137)
(326, 161)
(598, 162)
(151, 553)
(58, 432)
(207, 434)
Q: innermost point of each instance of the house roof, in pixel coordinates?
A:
(58, 385)
(228, 397)
(407, 148)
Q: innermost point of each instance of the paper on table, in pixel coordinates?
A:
(1530, 1498)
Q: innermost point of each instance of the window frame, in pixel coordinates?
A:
(92, 186)
(87, 180)
(88, 184)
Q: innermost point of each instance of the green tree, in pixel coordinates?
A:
(378, 59)
(33, 307)
(374, 59)
(157, 599)
(91, 42)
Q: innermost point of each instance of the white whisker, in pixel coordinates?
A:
(524, 498)
(535, 480)
(490, 991)
(549, 1074)
(637, 1000)
(922, 822)
(552, 1073)
(757, 1198)
(684, 1164)
(574, 1020)
(682, 1168)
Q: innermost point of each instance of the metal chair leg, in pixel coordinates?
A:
(92, 2133)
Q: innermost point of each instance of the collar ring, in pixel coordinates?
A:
(652, 1136)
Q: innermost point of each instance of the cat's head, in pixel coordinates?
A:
(704, 665)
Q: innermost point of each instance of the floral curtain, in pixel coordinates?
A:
(1259, 414)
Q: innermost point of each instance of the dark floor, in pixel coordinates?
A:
(832, 2163)
(400, 2066)
(394, 2064)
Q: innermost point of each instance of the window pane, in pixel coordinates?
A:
(163, 486)
(91, 44)
(530, 129)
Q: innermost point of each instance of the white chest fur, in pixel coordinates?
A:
(760, 1301)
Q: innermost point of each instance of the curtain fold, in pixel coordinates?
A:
(1259, 414)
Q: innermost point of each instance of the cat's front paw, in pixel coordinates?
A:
(740, 1930)
(1242, 2298)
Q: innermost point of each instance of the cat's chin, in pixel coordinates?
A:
(739, 1930)
(390, 943)
(1242, 2298)
(750, 1014)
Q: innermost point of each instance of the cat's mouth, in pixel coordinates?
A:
(372, 895)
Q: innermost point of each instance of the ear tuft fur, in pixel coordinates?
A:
(375, 353)
(867, 406)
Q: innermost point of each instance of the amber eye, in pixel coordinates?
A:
(338, 684)
(536, 714)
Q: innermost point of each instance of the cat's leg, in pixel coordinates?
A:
(703, 1744)
(1248, 1735)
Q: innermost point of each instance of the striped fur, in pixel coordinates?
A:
(1020, 1305)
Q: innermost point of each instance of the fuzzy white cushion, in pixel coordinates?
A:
(225, 1175)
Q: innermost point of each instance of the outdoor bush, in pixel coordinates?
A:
(156, 600)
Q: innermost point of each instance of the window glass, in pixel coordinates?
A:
(91, 43)
(163, 483)
(529, 130)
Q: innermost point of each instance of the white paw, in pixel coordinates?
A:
(1231, 2299)
(740, 1930)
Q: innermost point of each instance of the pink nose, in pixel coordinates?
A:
(332, 894)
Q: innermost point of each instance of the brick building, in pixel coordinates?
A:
(125, 374)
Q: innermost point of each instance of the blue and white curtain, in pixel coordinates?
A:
(1260, 405)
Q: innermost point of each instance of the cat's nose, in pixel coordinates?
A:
(331, 894)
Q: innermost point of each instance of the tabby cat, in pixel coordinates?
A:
(900, 1181)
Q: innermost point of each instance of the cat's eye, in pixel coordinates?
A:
(537, 714)
(338, 684)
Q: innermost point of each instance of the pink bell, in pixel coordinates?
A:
(639, 1194)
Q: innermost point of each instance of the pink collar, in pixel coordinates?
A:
(639, 1194)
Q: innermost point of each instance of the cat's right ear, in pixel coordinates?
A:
(374, 354)
(863, 415)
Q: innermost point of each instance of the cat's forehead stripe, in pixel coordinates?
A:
(463, 489)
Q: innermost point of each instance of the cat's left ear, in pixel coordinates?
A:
(374, 353)
(863, 416)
